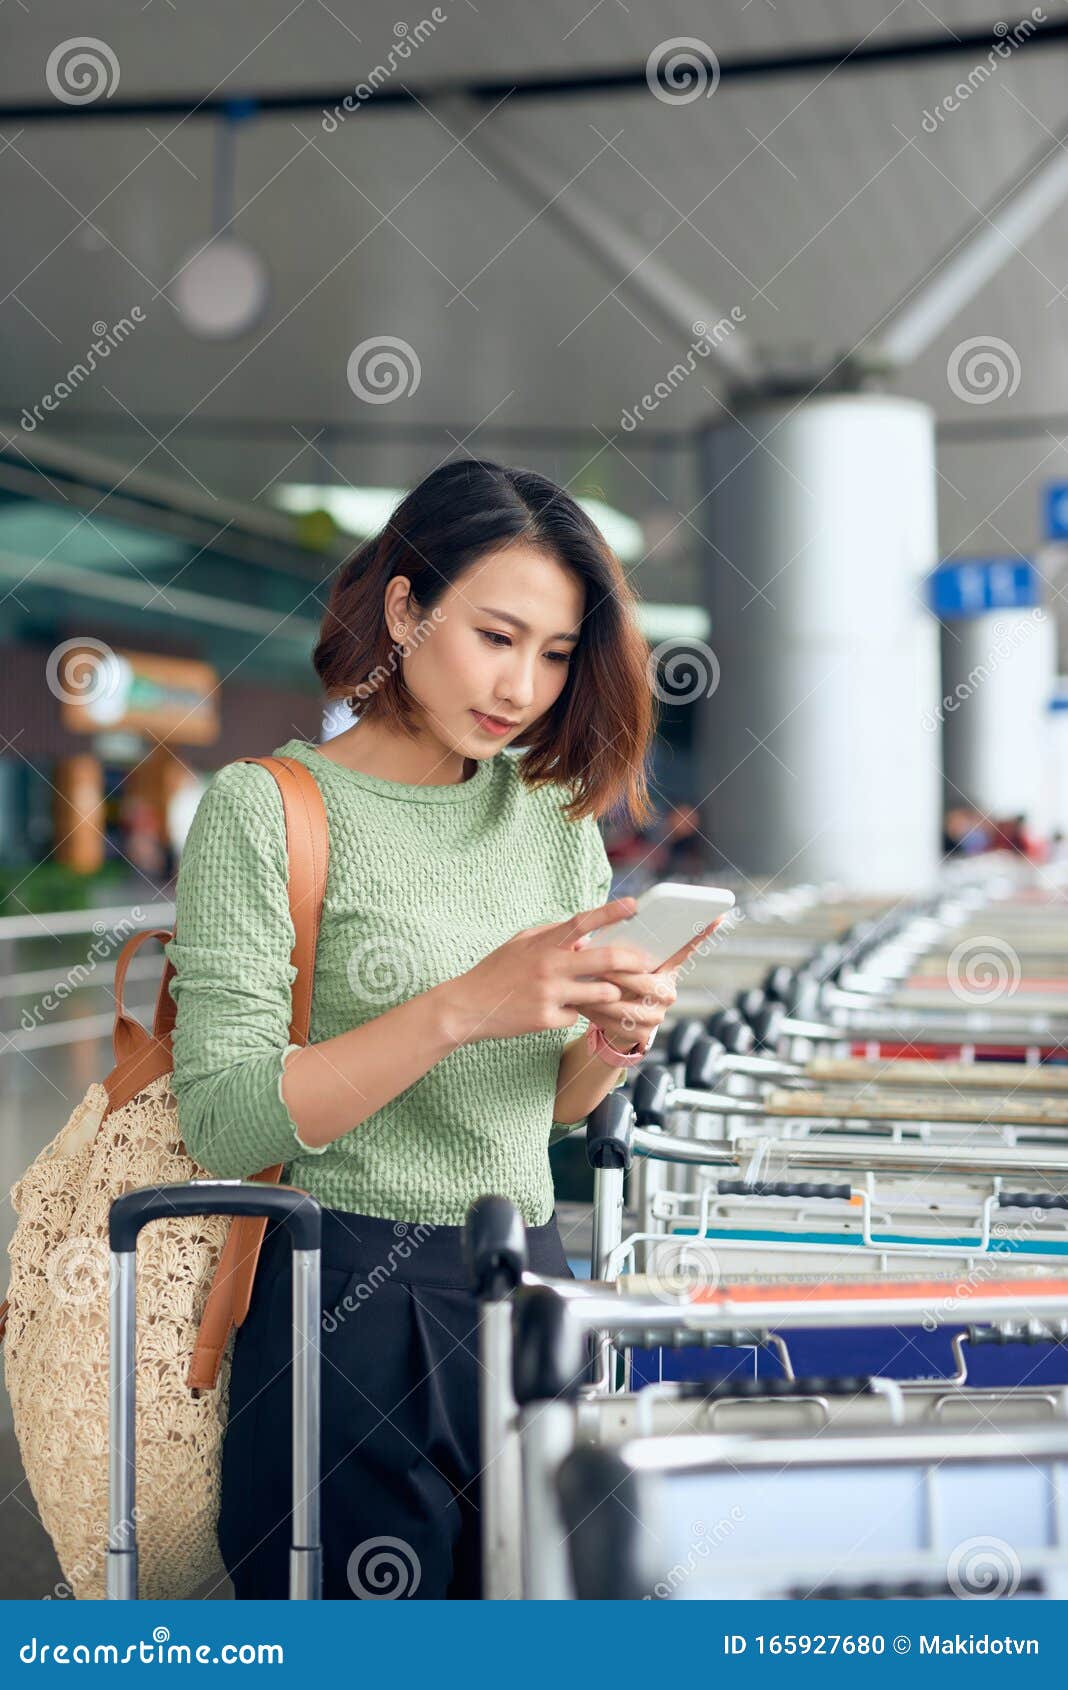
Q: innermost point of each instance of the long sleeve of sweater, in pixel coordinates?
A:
(231, 952)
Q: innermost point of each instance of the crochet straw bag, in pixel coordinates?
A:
(194, 1282)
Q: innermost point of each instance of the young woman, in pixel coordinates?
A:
(488, 617)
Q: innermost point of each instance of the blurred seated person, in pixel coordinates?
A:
(965, 832)
(1017, 834)
(681, 844)
(669, 848)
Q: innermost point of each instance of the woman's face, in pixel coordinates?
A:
(470, 656)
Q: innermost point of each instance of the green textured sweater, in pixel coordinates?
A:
(423, 882)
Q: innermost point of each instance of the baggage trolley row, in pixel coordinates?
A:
(751, 1488)
(908, 1172)
(762, 1138)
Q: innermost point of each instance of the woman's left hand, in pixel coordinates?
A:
(646, 997)
(637, 1015)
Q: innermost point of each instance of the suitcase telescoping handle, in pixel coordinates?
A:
(301, 1215)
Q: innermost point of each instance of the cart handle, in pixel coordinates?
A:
(1032, 1200)
(749, 1389)
(780, 1188)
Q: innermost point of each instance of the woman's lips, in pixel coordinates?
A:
(490, 726)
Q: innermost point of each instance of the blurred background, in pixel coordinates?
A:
(778, 291)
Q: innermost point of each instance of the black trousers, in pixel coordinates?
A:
(399, 1494)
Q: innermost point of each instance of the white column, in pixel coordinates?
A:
(998, 673)
(820, 517)
(1057, 757)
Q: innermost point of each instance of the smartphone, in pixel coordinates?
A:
(668, 915)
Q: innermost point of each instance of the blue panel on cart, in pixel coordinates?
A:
(905, 1352)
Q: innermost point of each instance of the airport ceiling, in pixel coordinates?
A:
(811, 189)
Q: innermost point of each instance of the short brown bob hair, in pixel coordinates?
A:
(596, 738)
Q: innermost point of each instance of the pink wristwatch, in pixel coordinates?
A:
(598, 1045)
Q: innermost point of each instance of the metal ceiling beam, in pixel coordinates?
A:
(684, 310)
(595, 83)
(993, 238)
(961, 431)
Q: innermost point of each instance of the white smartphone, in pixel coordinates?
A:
(667, 915)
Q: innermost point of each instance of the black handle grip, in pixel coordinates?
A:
(749, 1389)
(780, 1188)
(860, 933)
(295, 1209)
(681, 1039)
(767, 1026)
(805, 997)
(740, 1040)
(653, 1086)
(704, 1065)
(1032, 1200)
(609, 1131)
(749, 1002)
(732, 1031)
(825, 963)
(603, 1520)
(551, 1356)
(778, 983)
(979, 1335)
(495, 1246)
(882, 1590)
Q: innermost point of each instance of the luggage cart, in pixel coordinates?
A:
(845, 1241)
(728, 1517)
(300, 1213)
(724, 1054)
(747, 1053)
(539, 1402)
(712, 1089)
(555, 1411)
(886, 974)
(715, 1087)
(911, 1180)
(867, 979)
(829, 1001)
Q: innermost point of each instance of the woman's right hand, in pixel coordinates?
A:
(532, 982)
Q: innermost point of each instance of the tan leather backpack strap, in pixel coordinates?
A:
(307, 844)
(166, 1009)
(308, 848)
(231, 1289)
(134, 1073)
(128, 1037)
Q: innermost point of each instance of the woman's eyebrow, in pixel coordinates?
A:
(517, 622)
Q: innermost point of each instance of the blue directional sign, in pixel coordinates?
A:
(970, 586)
(1055, 502)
